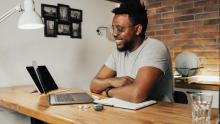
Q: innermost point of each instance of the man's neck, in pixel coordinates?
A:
(138, 43)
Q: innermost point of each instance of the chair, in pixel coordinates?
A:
(180, 97)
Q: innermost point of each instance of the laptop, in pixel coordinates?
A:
(50, 83)
(60, 98)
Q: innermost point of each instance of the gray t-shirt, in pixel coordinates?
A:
(151, 53)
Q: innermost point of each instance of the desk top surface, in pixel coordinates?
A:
(18, 99)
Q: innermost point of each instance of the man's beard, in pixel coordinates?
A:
(126, 46)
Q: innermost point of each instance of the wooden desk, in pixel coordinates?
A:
(36, 106)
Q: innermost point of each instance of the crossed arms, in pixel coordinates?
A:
(126, 88)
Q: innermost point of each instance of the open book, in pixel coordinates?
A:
(123, 104)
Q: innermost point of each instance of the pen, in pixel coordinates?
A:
(61, 90)
(95, 96)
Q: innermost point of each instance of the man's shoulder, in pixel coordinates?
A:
(155, 45)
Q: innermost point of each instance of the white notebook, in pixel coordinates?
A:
(123, 104)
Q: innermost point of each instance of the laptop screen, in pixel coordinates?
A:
(40, 79)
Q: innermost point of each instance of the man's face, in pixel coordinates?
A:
(125, 38)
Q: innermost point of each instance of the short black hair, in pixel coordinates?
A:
(136, 12)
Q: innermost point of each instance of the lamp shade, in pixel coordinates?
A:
(30, 19)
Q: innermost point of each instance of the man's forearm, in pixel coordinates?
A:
(98, 85)
(128, 93)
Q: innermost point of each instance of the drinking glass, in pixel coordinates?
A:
(201, 106)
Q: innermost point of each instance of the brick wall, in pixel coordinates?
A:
(187, 26)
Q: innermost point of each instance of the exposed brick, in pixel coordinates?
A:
(206, 54)
(204, 41)
(184, 30)
(191, 48)
(156, 16)
(205, 3)
(211, 8)
(174, 49)
(168, 43)
(211, 22)
(147, 1)
(158, 38)
(211, 61)
(192, 36)
(159, 0)
(186, 1)
(170, 2)
(209, 66)
(150, 12)
(162, 21)
(206, 28)
(206, 15)
(164, 32)
(151, 33)
(191, 11)
(191, 23)
(211, 47)
(151, 22)
(171, 37)
(173, 25)
(171, 54)
(211, 34)
(183, 42)
(211, 73)
(183, 6)
(173, 60)
(218, 1)
(184, 18)
(201, 60)
(171, 14)
(164, 9)
(176, 54)
(155, 5)
(155, 27)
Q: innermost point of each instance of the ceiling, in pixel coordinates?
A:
(118, 1)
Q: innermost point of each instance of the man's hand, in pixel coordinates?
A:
(121, 81)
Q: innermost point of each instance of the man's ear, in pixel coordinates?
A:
(139, 29)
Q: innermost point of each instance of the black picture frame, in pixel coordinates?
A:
(48, 11)
(50, 27)
(75, 30)
(76, 15)
(63, 29)
(63, 13)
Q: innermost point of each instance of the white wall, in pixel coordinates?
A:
(72, 62)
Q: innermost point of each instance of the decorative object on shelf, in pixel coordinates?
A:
(48, 11)
(76, 15)
(75, 28)
(29, 19)
(63, 29)
(99, 28)
(63, 13)
(50, 27)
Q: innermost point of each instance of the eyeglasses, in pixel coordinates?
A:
(118, 29)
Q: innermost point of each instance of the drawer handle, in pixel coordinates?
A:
(192, 92)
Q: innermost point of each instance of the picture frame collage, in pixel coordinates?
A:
(61, 20)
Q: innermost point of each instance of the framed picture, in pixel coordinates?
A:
(76, 15)
(63, 13)
(50, 27)
(75, 30)
(63, 29)
(48, 11)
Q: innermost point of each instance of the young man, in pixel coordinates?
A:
(140, 68)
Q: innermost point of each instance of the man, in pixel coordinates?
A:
(140, 68)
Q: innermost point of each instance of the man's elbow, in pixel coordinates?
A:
(138, 97)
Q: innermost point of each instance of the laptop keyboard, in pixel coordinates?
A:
(64, 98)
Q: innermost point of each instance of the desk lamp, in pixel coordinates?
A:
(29, 19)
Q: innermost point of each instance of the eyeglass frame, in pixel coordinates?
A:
(112, 29)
